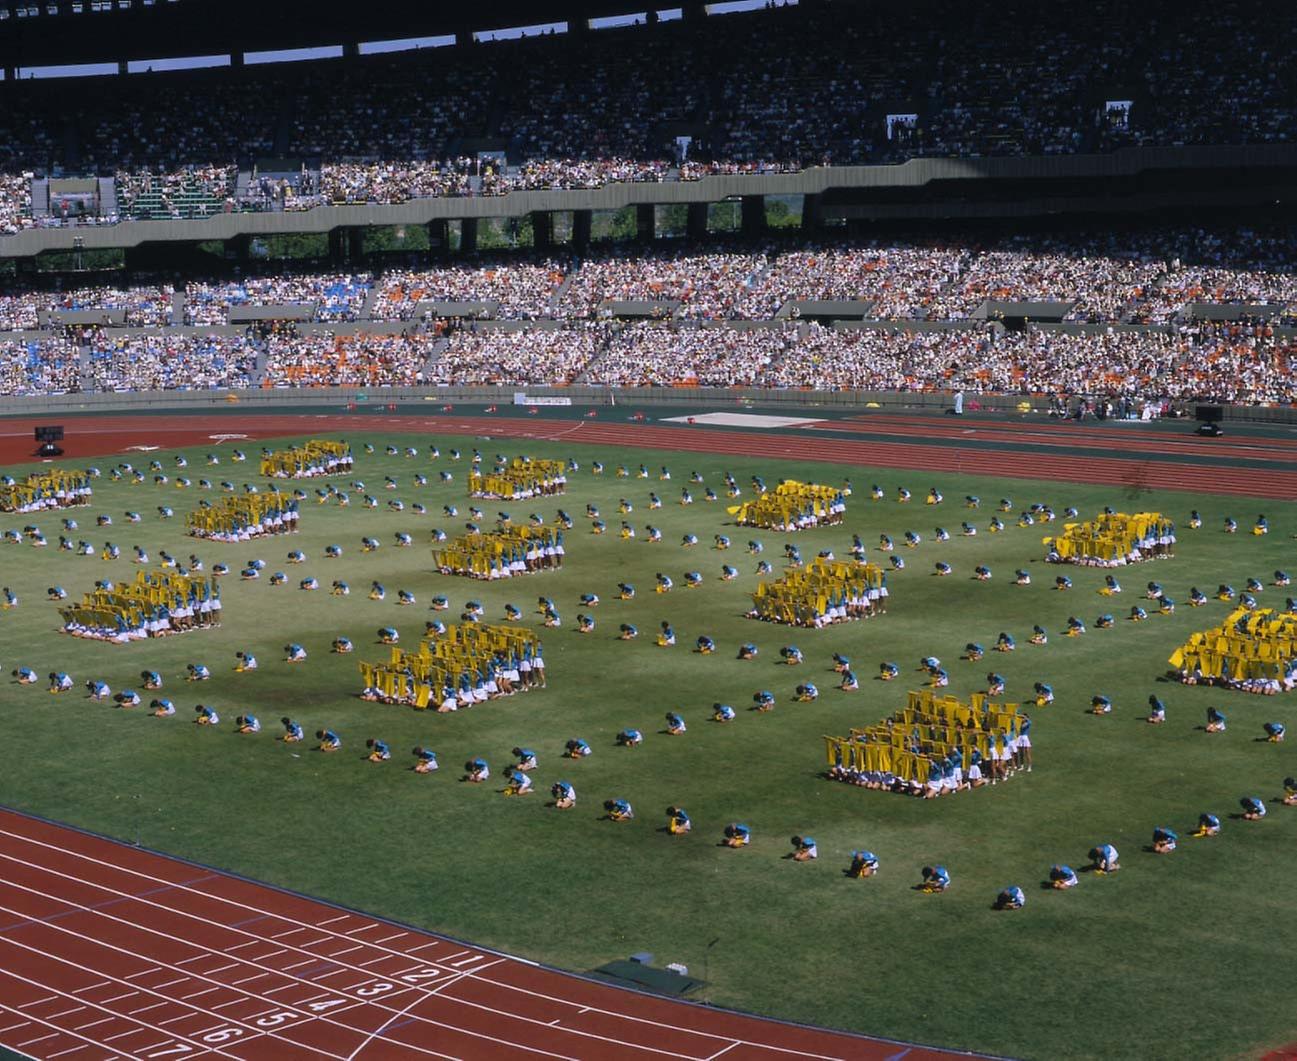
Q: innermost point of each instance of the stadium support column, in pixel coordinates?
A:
(468, 236)
(240, 247)
(355, 244)
(439, 236)
(542, 228)
(812, 213)
(696, 221)
(337, 246)
(646, 222)
(754, 215)
(582, 221)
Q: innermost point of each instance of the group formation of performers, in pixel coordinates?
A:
(822, 593)
(156, 604)
(1253, 650)
(935, 746)
(521, 479)
(793, 506)
(307, 461)
(240, 518)
(1113, 539)
(502, 553)
(456, 667)
(56, 488)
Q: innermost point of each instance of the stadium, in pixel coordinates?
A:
(888, 411)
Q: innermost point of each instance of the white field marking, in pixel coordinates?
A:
(388, 939)
(91, 987)
(722, 1050)
(145, 1009)
(146, 972)
(743, 420)
(253, 909)
(245, 943)
(111, 1015)
(122, 1035)
(33, 1042)
(220, 969)
(64, 1012)
(101, 1020)
(115, 998)
(170, 983)
(345, 950)
(24, 1005)
(331, 920)
(247, 979)
(69, 1050)
(363, 928)
(256, 1032)
(199, 994)
(378, 1032)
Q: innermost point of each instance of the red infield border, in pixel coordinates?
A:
(111, 951)
(114, 434)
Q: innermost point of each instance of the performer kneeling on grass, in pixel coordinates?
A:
(804, 849)
(1062, 877)
(863, 864)
(1011, 898)
(737, 835)
(934, 879)
(1208, 825)
(1104, 859)
(1164, 840)
(678, 821)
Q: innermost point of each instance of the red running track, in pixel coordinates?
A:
(110, 951)
(114, 434)
(1131, 438)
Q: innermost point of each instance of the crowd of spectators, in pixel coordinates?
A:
(15, 203)
(188, 193)
(551, 356)
(1155, 275)
(168, 361)
(385, 183)
(708, 282)
(39, 366)
(349, 360)
(330, 296)
(523, 288)
(763, 92)
(1238, 362)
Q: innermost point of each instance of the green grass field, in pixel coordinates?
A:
(1173, 957)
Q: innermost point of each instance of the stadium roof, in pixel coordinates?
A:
(38, 32)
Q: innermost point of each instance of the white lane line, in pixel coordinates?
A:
(39, 1001)
(474, 957)
(33, 1042)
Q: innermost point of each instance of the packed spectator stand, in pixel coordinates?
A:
(769, 91)
(1128, 308)
(772, 91)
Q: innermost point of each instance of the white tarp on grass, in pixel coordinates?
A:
(742, 420)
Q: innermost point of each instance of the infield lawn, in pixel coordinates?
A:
(1179, 956)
